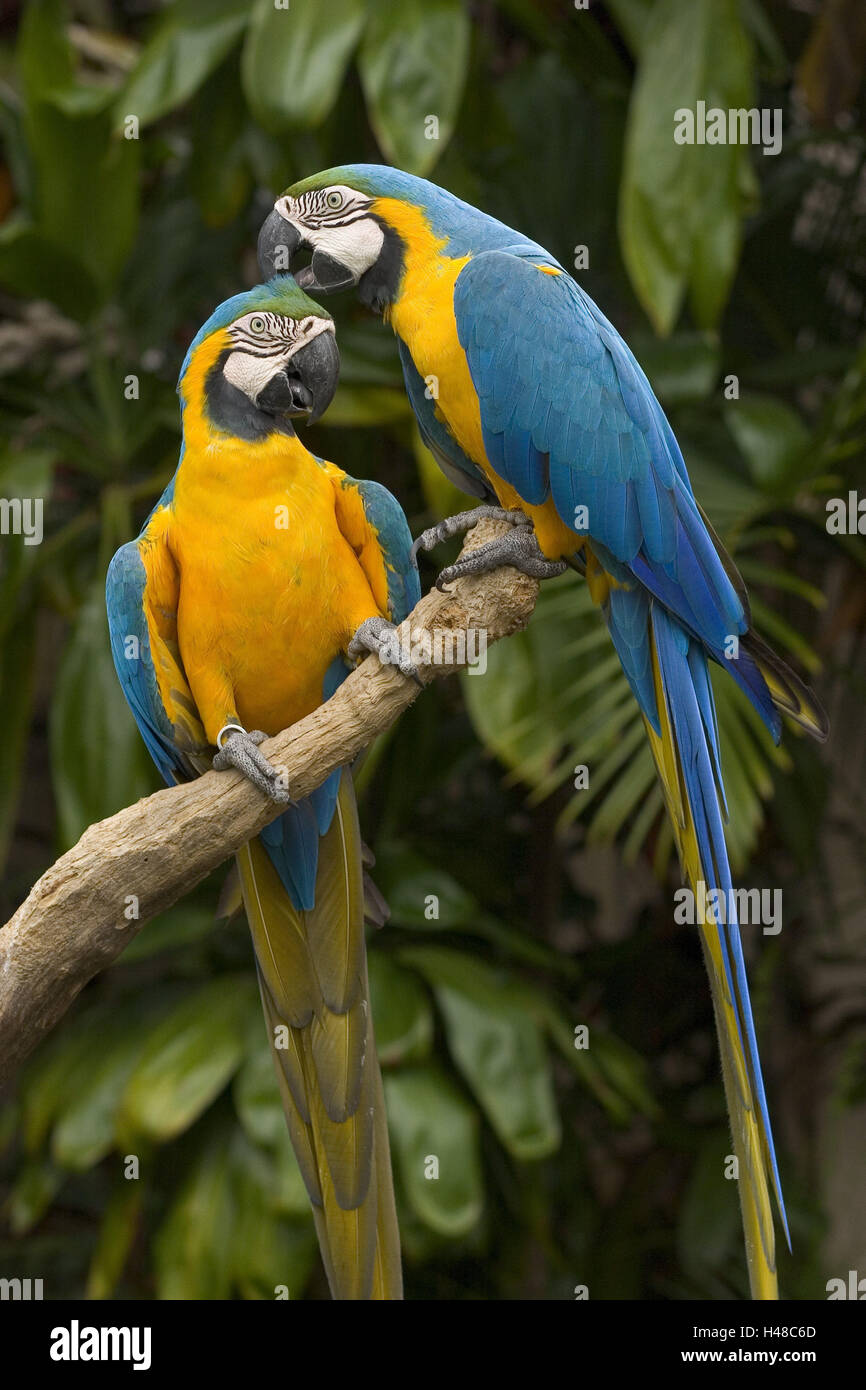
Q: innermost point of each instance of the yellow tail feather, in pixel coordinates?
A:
(315, 994)
(789, 694)
(749, 1147)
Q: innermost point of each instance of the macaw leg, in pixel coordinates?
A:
(462, 522)
(240, 750)
(374, 635)
(518, 548)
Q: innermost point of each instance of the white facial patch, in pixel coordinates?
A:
(357, 246)
(335, 221)
(249, 374)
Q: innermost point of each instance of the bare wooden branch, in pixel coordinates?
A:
(76, 920)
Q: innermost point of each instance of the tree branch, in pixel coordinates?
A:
(73, 923)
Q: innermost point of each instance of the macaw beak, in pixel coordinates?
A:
(307, 383)
(279, 244)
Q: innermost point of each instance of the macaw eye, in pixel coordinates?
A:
(257, 325)
(334, 199)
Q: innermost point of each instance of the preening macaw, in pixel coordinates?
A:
(529, 398)
(259, 575)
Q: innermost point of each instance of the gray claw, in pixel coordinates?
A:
(241, 751)
(374, 635)
(519, 550)
(461, 522)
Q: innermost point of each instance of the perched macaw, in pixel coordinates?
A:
(529, 398)
(258, 577)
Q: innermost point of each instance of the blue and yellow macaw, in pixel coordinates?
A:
(258, 577)
(530, 399)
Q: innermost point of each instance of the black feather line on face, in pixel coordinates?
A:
(280, 334)
(313, 212)
(231, 411)
(379, 286)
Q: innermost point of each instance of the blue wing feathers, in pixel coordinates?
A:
(565, 406)
(133, 661)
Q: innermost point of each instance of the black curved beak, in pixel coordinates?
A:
(306, 385)
(279, 244)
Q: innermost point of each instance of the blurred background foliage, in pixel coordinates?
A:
(142, 144)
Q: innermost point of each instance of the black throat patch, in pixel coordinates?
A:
(234, 413)
(378, 286)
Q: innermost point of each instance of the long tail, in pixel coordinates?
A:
(313, 978)
(687, 756)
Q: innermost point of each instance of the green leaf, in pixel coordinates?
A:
(33, 1191)
(416, 890)
(193, 1248)
(47, 1077)
(188, 1059)
(260, 1110)
(179, 926)
(616, 1075)
(85, 1126)
(681, 368)
(497, 1045)
(191, 40)
(99, 763)
(772, 438)
(435, 1140)
(632, 18)
(289, 1194)
(256, 1094)
(402, 1014)
(295, 59)
(117, 1232)
(220, 175)
(86, 180)
(34, 265)
(257, 1101)
(682, 205)
(729, 501)
(43, 54)
(518, 707)
(267, 1250)
(88, 189)
(413, 65)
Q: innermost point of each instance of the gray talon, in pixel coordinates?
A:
(519, 550)
(241, 751)
(374, 636)
(461, 522)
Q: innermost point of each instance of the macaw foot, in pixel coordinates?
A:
(240, 750)
(462, 522)
(518, 549)
(378, 635)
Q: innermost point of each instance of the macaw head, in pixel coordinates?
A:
(261, 358)
(361, 222)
